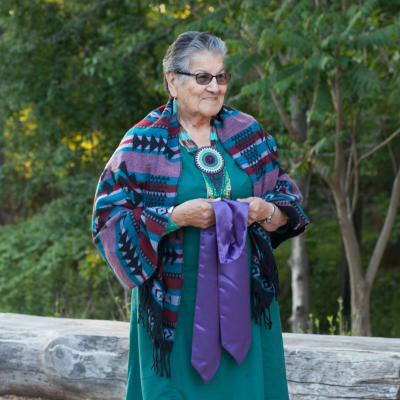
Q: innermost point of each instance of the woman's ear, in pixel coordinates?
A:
(172, 83)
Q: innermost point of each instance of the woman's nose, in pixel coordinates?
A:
(213, 86)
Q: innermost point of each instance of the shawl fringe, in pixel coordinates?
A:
(261, 299)
(153, 325)
(150, 315)
(269, 269)
(260, 306)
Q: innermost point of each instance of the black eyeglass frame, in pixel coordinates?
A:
(206, 73)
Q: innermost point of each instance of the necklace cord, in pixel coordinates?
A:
(186, 140)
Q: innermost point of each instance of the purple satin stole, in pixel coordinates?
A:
(222, 312)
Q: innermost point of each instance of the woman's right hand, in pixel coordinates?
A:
(196, 212)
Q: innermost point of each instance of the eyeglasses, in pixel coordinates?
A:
(203, 78)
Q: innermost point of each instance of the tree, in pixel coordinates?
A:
(75, 76)
(343, 35)
(339, 57)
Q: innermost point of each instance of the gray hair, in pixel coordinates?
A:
(178, 56)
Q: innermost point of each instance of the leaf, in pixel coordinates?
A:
(243, 67)
(378, 37)
(294, 39)
(269, 37)
(344, 35)
(202, 24)
(320, 60)
(322, 168)
(257, 87)
(286, 73)
(321, 100)
(362, 79)
(295, 16)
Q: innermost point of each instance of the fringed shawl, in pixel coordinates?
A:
(133, 202)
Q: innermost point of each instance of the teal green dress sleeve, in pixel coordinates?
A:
(261, 376)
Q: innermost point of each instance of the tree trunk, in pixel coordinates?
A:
(344, 283)
(300, 273)
(360, 285)
(360, 321)
(299, 261)
(360, 290)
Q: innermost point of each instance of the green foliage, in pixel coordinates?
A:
(75, 76)
(385, 301)
(48, 264)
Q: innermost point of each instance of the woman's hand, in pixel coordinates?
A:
(197, 212)
(260, 209)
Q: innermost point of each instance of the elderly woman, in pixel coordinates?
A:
(188, 209)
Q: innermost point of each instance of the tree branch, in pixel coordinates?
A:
(348, 175)
(88, 305)
(333, 93)
(390, 150)
(386, 141)
(339, 145)
(78, 19)
(355, 193)
(285, 118)
(328, 194)
(385, 232)
(281, 110)
(146, 42)
(324, 155)
(348, 170)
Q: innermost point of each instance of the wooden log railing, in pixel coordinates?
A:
(73, 359)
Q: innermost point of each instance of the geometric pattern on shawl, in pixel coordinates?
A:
(132, 206)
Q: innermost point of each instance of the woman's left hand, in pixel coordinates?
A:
(260, 209)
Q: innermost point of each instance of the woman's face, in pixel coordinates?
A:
(194, 99)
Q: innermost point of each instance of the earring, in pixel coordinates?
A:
(174, 107)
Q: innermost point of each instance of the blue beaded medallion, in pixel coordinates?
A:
(211, 164)
(209, 160)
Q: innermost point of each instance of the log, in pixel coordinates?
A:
(63, 359)
(322, 367)
(74, 359)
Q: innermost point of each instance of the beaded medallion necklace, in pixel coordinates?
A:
(210, 162)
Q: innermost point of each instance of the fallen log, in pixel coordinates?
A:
(73, 359)
(63, 359)
(322, 367)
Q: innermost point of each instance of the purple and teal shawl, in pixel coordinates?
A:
(133, 202)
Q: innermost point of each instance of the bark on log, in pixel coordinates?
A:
(72, 359)
(322, 367)
(63, 359)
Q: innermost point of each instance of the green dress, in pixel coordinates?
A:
(261, 375)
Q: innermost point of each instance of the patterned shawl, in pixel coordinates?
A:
(133, 202)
